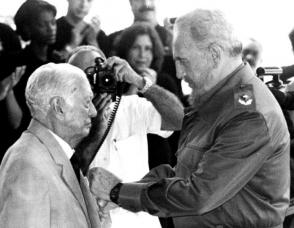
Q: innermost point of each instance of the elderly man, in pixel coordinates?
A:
(233, 159)
(125, 149)
(38, 186)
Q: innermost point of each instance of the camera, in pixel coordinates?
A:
(271, 76)
(103, 80)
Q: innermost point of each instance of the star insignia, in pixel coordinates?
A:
(245, 99)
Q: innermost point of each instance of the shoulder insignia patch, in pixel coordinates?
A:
(244, 97)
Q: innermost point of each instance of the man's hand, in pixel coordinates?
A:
(86, 150)
(123, 71)
(7, 84)
(149, 73)
(99, 123)
(101, 182)
(104, 208)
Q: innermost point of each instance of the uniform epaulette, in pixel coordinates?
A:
(244, 97)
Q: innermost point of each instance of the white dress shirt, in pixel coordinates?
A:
(64, 145)
(125, 153)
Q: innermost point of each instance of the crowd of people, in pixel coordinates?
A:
(144, 155)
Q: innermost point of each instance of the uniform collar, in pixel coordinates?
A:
(207, 96)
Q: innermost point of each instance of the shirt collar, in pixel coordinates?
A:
(64, 145)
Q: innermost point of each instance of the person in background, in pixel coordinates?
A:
(73, 30)
(11, 113)
(146, 11)
(125, 150)
(140, 45)
(35, 22)
(252, 53)
(233, 158)
(288, 71)
(38, 186)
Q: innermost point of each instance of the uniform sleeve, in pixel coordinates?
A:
(240, 149)
(25, 198)
(152, 118)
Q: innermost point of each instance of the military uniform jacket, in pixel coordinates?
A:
(232, 163)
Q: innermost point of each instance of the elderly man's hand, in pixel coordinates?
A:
(101, 182)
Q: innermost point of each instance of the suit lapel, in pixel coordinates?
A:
(90, 202)
(57, 154)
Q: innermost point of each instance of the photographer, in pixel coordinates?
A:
(125, 149)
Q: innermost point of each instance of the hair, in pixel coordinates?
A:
(127, 38)
(28, 13)
(48, 81)
(209, 27)
(86, 48)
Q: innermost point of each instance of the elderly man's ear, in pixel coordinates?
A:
(57, 105)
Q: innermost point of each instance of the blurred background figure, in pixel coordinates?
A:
(140, 45)
(288, 71)
(10, 111)
(252, 53)
(73, 30)
(146, 11)
(35, 23)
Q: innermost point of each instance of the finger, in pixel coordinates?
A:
(19, 73)
(112, 61)
(102, 203)
(98, 99)
(105, 103)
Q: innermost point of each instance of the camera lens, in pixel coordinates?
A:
(108, 81)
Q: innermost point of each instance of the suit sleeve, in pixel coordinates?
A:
(223, 171)
(26, 198)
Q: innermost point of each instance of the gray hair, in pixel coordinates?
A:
(48, 81)
(209, 27)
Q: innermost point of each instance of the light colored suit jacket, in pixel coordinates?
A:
(38, 186)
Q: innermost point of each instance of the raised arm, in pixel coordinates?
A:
(166, 103)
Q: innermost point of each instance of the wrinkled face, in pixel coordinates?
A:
(252, 54)
(140, 55)
(79, 8)
(43, 29)
(192, 64)
(79, 110)
(143, 10)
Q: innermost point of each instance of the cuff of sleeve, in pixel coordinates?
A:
(130, 196)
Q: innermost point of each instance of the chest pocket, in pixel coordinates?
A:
(188, 159)
(129, 159)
